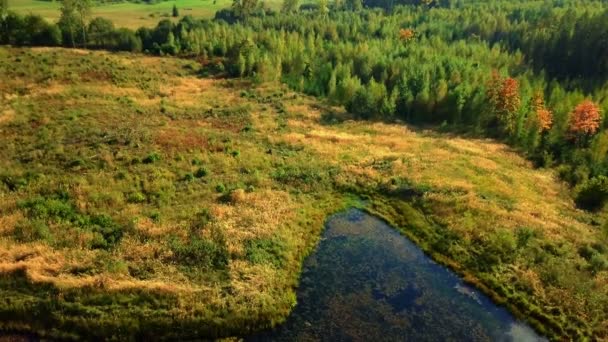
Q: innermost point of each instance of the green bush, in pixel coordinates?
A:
(598, 263)
(155, 216)
(593, 193)
(199, 252)
(201, 172)
(500, 248)
(220, 188)
(265, 251)
(188, 177)
(49, 209)
(31, 230)
(136, 197)
(151, 158)
(294, 175)
(108, 233)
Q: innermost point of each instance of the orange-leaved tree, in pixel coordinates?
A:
(544, 116)
(585, 120)
(503, 96)
(406, 34)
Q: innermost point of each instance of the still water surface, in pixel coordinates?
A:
(366, 282)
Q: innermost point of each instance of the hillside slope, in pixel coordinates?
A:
(140, 200)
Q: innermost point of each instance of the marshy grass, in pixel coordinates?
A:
(142, 201)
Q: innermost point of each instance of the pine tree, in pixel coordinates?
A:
(175, 11)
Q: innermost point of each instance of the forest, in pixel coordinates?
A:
(527, 72)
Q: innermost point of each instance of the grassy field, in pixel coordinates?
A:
(129, 14)
(139, 199)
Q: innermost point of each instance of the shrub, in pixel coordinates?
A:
(199, 252)
(500, 248)
(49, 209)
(31, 230)
(188, 177)
(108, 232)
(265, 251)
(13, 183)
(154, 216)
(151, 158)
(201, 172)
(524, 235)
(136, 197)
(201, 219)
(220, 188)
(598, 263)
(592, 194)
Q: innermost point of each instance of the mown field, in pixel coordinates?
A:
(139, 199)
(130, 14)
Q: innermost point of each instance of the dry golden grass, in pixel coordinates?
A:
(481, 168)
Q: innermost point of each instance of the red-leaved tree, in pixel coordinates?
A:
(503, 96)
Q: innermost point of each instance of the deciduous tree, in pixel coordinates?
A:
(503, 96)
(544, 116)
(73, 19)
(585, 119)
(406, 34)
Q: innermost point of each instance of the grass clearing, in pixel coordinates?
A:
(130, 14)
(141, 192)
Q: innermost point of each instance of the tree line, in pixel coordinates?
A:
(528, 72)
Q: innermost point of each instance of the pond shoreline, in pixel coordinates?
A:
(304, 321)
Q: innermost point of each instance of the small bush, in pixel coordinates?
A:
(201, 172)
(14, 183)
(205, 253)
(31, 230)
(154, 216)
(108, 233)
(136, 197)
(598, 263)
(151, 158)
(500, 248)
(201, 219)
(220, 188)
(524, 235)
(265, 251)
(592, 194)
(188, 177)
(49, 209)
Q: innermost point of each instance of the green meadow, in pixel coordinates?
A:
(130, 14)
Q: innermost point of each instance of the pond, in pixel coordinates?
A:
(367, 282)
